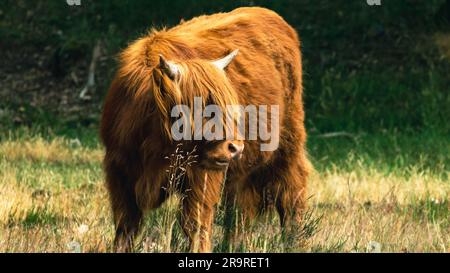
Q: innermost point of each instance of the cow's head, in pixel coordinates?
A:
(179, 82)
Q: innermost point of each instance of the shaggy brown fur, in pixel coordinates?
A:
(135, 126)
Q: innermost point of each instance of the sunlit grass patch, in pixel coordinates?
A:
(404, 211)
(57, 202)
(58, 150)
(15, 199)
(373, 186)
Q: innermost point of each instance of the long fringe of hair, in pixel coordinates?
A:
(199, 78)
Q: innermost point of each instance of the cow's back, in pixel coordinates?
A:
(267, 70)
(269, 54)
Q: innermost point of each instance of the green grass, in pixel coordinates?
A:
(388, 152)
(361, 192)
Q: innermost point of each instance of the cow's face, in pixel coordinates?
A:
(192, 84)
(183, 86)
(218, 155)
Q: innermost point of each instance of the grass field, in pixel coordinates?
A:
(376, 92)
(369, 193)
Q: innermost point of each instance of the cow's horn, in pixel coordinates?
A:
(222, 63)
(169, 68)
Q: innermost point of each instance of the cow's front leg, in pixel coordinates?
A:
(126, 213)
(202, 194)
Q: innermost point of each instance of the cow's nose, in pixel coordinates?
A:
(235, 149)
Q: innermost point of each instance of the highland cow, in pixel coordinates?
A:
(198, 59)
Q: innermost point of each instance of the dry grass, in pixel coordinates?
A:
(406, 213)
(53, 200)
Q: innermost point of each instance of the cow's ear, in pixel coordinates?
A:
(222, 63)
(168, 68)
